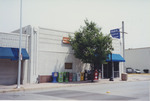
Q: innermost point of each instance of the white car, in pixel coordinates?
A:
(137, 71)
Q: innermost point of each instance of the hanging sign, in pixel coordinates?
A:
(115, 33)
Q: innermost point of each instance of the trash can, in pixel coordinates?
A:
(74, 77)
(124, 76)
(78, 77)
(70, 77)
(54, 75)
(60, 77)
(65, 76)
(82, 76)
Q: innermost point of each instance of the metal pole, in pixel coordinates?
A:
(20, 39)
(112, 68)
(123, 43)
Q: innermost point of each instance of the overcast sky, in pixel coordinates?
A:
(69, 15)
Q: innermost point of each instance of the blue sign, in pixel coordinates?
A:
(115, 33)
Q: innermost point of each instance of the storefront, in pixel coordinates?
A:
(9, 64)
(9, 51)
(112, 67)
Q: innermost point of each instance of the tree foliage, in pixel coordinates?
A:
(90, 45)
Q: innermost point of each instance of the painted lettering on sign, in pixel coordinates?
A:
(115, 33)
(66, 40)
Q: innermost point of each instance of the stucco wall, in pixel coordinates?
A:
(12, 40)
(53, 53)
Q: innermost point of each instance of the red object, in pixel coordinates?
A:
(66, 40)
(96, 75)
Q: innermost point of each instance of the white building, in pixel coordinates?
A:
(47, 53)
(138, 58)
(8, 63)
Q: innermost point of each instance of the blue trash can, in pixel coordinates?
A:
(54, 75)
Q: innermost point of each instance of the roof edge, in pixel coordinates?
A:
(137, 48)
(56, 30)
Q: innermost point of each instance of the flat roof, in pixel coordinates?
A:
(137, 48)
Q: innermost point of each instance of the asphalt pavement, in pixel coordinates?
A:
(135, 88)
(127, 91)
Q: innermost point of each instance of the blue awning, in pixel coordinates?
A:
(23, 52)
(6, 53)
(115, 58)
(12, 53)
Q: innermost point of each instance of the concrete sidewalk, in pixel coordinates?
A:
(12, 88)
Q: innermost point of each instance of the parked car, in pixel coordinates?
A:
(129, 70)
(146, 70)
(137, 71)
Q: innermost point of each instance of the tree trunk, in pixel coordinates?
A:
(92, 75)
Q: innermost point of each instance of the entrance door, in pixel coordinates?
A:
(116, 69)
(108, 69)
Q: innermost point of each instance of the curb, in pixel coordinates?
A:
(58, 86)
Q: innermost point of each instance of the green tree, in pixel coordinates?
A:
(90, 45)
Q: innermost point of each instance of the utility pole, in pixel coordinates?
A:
(123, 42)
(112, 64)
(20, 39)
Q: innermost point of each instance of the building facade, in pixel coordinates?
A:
(49, 53)
(9, 43)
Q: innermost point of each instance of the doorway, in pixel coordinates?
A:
(107, 71)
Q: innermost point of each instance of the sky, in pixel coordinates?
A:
(69, 15)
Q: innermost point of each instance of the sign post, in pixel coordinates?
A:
(123, 42)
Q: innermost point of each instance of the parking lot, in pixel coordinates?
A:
(138, 77)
